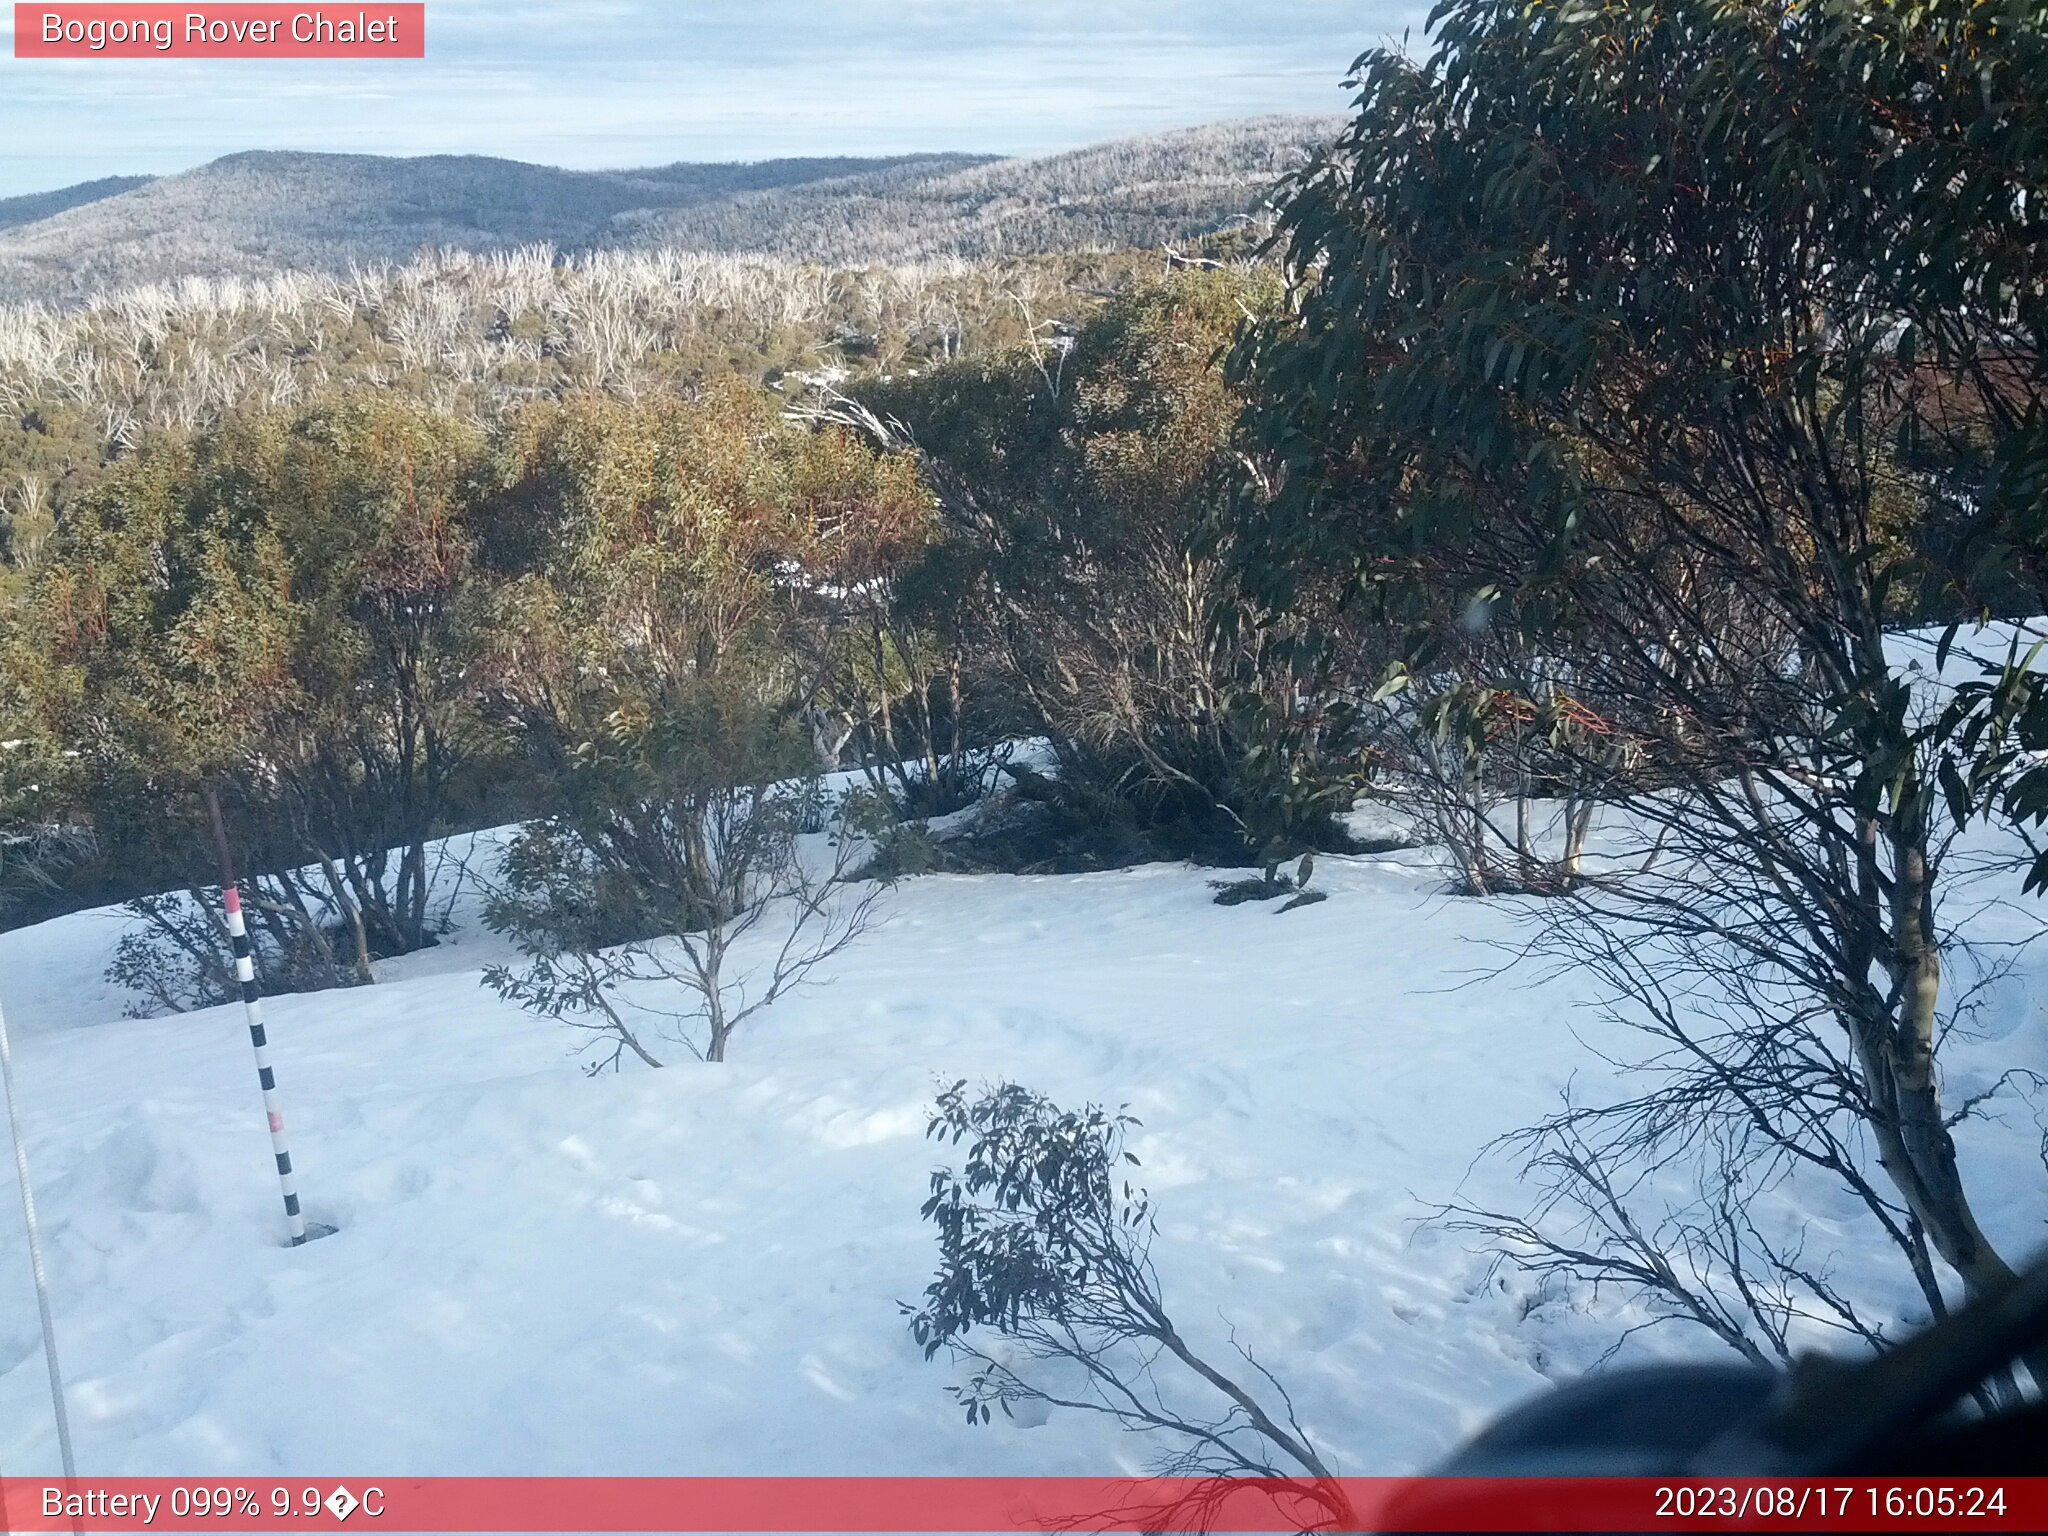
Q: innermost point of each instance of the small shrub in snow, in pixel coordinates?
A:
(1045, 1243)
(720, 906)
(177, 955)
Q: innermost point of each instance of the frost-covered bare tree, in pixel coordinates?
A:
(26, 520)
(1167, 188)
(486, 331)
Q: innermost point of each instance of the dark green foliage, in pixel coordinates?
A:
(1997, 726)
(632, 902)
(1609, 296)
(1046, 1243)
(1235, 893)
(1619, 385)
(1042, 1213)
(555, 894)
(39, 860)
(363, 594)
(640, 659)
(1579, 242)
(176, 954)
(902, 845)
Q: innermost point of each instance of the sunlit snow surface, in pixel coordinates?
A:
(698, 1270)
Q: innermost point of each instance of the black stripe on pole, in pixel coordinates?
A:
(238, 927)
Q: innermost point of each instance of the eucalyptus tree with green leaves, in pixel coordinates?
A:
(657, 558)
(1084, 491)
(1617, 331)
(274, 610)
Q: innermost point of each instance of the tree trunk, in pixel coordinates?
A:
(358, 933)
(1578, 824)
(1909, 1125)
(1525, 852)
(1915, 1144)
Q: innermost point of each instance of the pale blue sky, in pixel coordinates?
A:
(634, 82)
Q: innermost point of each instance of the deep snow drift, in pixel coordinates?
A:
(697, 1270)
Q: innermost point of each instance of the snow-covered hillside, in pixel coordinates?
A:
(697, 1270)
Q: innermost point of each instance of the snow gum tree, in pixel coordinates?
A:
(1085, 481)
(680, 882)
(1585, 322)
(274, 609)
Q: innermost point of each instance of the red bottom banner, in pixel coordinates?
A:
(1001, 1504)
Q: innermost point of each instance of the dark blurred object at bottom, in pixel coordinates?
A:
(1941, 1404)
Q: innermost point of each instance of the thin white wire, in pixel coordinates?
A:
(35, 1255)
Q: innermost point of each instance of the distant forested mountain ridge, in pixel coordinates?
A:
(1127, 192)
(16, 211)
(263, 212)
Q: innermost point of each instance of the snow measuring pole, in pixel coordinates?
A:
(252, 1007)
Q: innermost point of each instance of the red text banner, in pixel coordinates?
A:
(999, 1504)
(226, 31)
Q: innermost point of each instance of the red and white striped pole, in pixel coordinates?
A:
(252, 1007)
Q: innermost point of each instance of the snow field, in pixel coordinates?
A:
(698, 1270)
